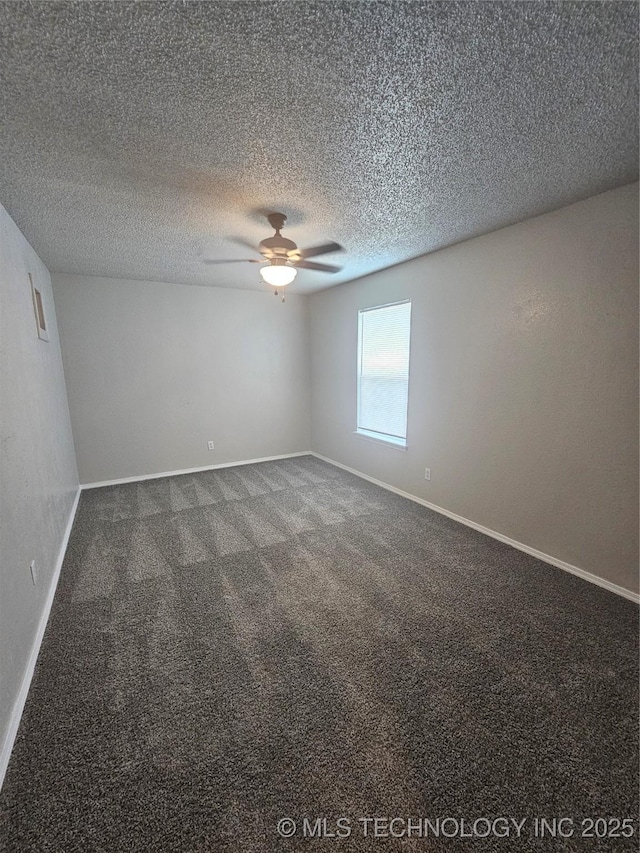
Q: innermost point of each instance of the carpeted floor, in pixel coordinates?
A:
(286, 640)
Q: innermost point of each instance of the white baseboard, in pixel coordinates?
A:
(142, 477)
(540, 555)
(18, 707)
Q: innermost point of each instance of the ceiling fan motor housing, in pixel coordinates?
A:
(277, 247)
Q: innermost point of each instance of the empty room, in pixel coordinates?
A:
(319, 426)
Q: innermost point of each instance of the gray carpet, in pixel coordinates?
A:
(284, 639)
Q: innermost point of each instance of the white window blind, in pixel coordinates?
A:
(383, 371)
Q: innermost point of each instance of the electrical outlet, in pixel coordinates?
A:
(427, 473)
(210, 445)
(34, 574)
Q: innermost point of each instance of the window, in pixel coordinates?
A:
(383, 372)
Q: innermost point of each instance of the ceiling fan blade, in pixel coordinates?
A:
(312, 265)
(240, 242)
(321, 250)
(232, 261)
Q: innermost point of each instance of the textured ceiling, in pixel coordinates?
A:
(137, 138)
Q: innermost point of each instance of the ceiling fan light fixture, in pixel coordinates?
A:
(278, 275)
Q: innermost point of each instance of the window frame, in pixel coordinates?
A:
(385, 439)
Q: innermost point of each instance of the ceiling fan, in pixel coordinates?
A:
(283, 258)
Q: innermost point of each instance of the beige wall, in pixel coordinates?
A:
(155, 371)
(523, 395)
(38, 478)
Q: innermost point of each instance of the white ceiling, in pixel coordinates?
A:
(138, 138)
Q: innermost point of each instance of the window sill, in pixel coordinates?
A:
(377, 438)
